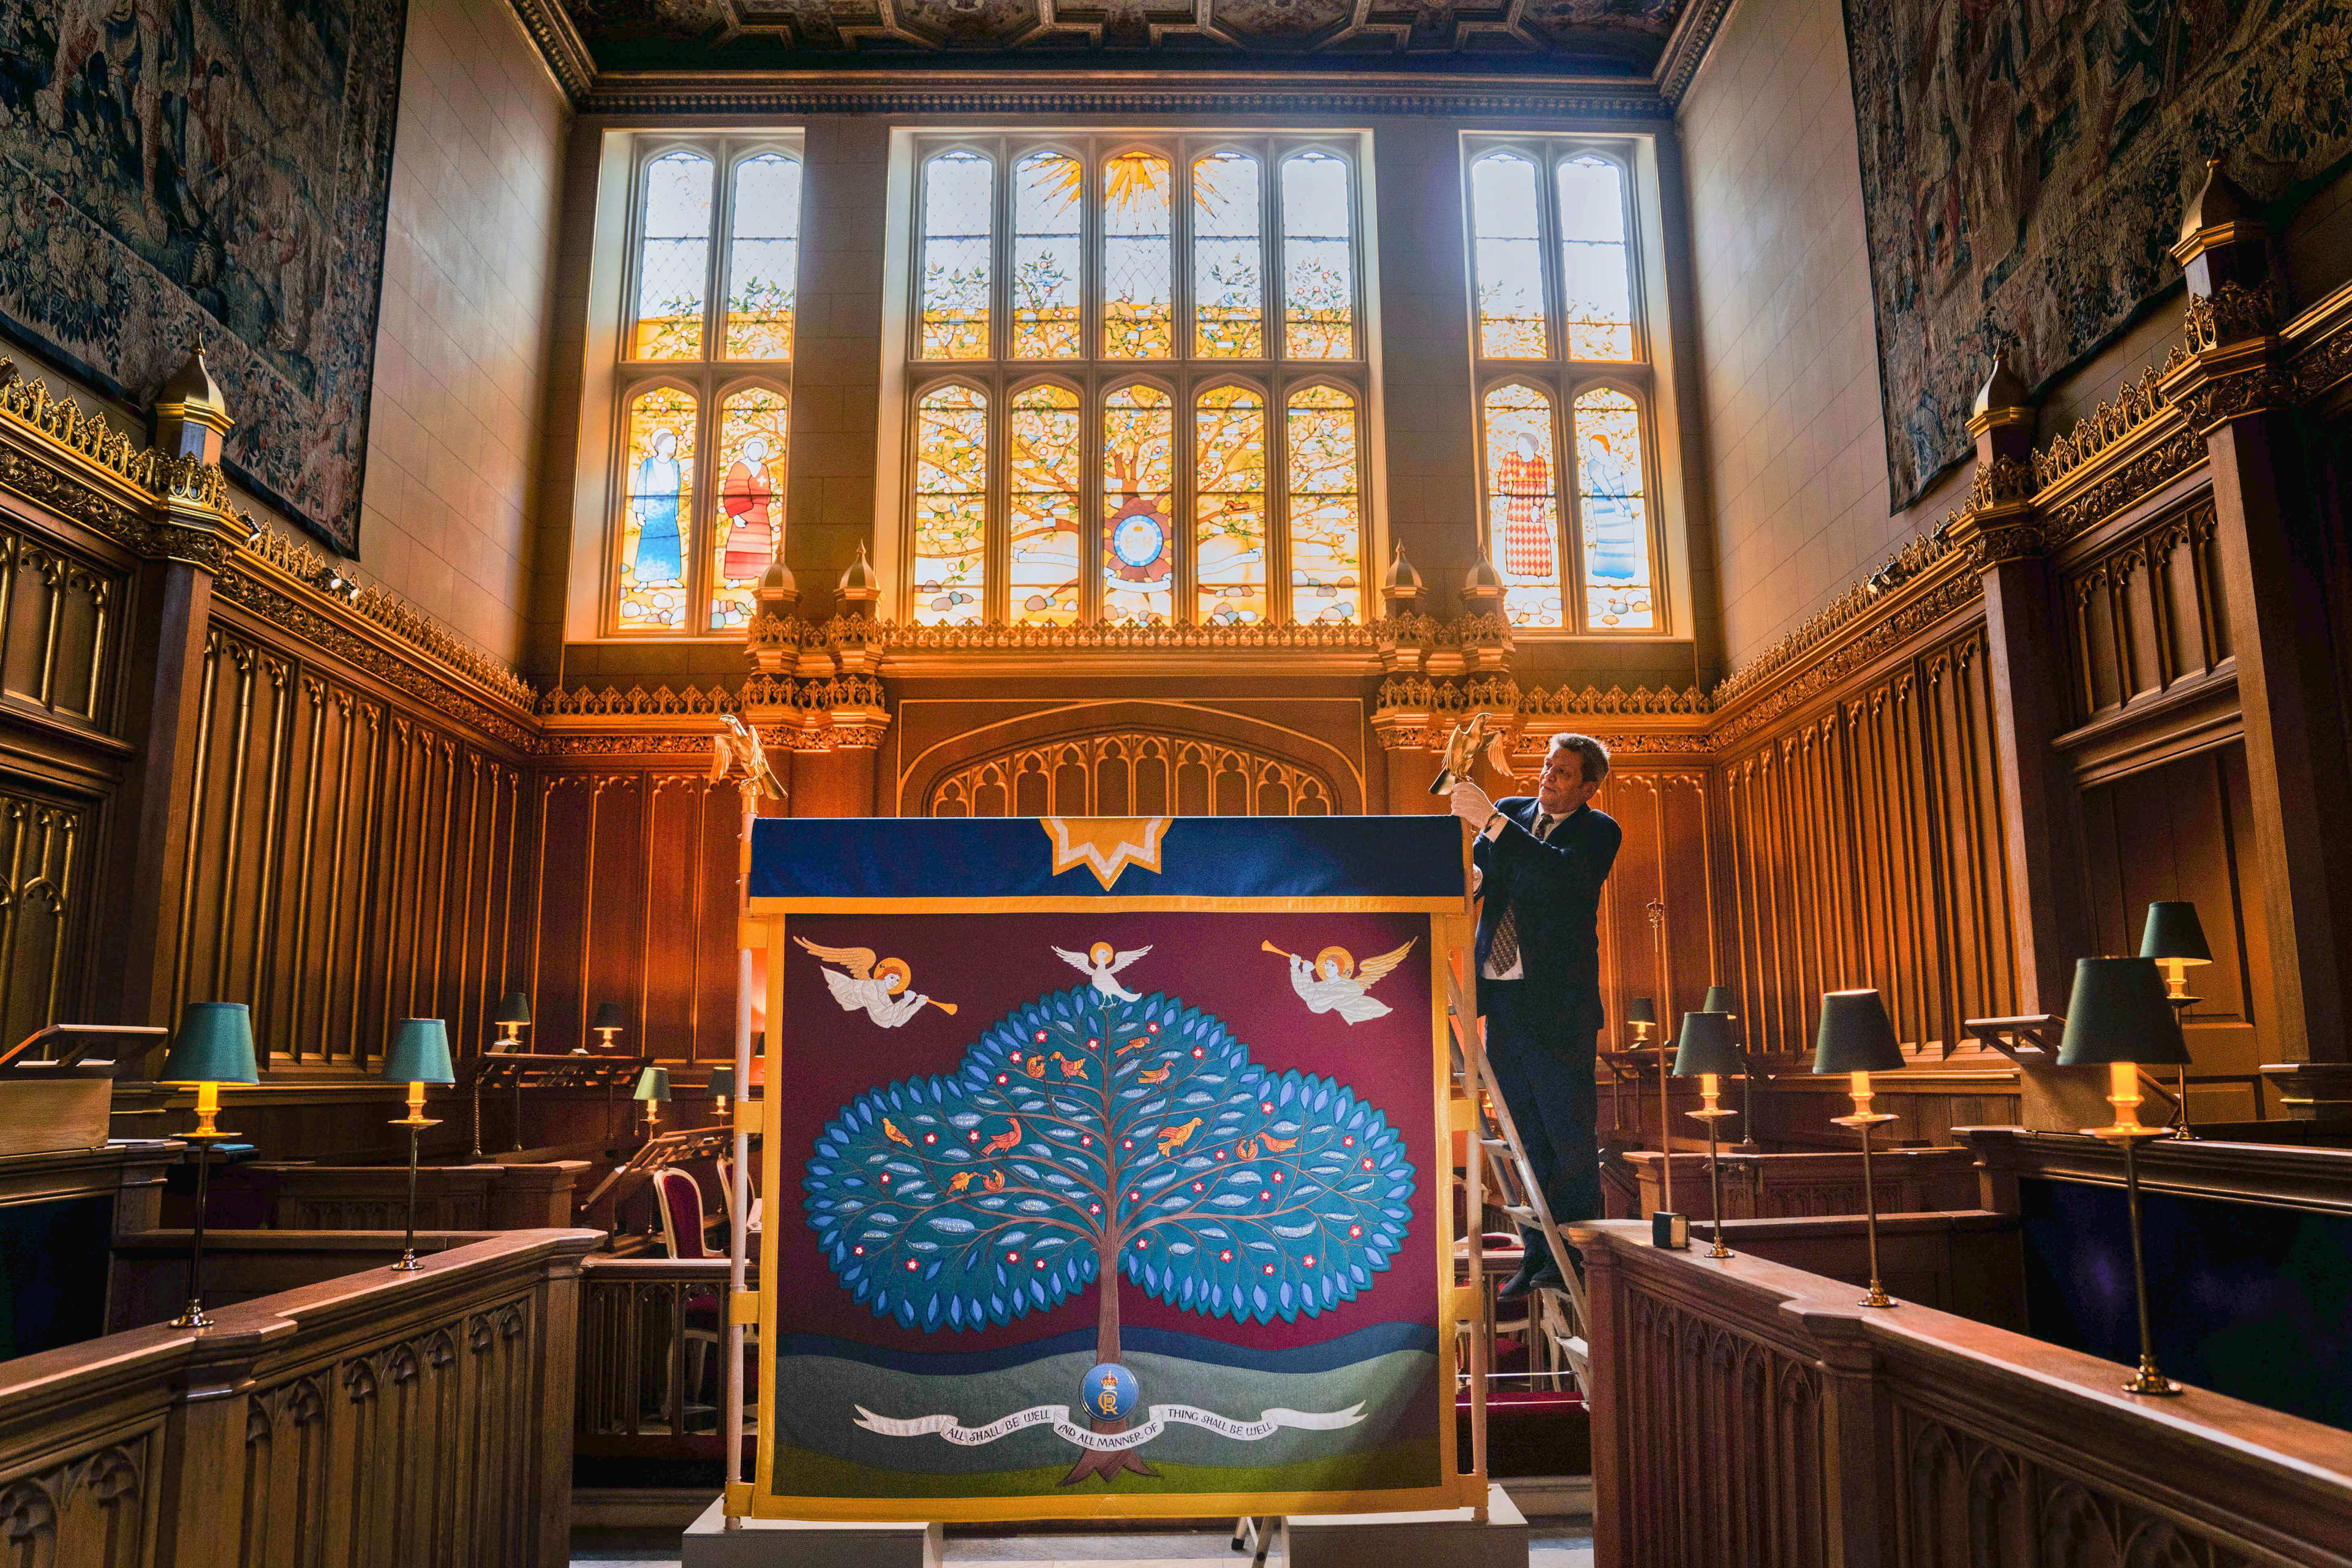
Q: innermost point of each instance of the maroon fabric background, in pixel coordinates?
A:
(989, 964)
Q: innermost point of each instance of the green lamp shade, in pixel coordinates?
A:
(653, 1084)
(215, 1045)
(1856, 1035)
(1707, 1046)
(420, 1053)
(722, 1081)
(2118, 1014)
(1641, 1010)
(2173, 932)
(1720, 999)
(610, 1017)
(515, 1008)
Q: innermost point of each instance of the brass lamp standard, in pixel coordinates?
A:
(1720, 999)
(610, 1020)
(1643, 1014)
(419, 1056)
(1707, 1050)
(2176, 940)
(652, 1087)
(1858, 1038)
(2119, 1017)
(214, 1047)
(512, 1018)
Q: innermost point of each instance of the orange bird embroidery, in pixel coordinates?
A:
(1035, 1067)
(962, 1180)
(1003, 1142)
(995, 1181)
(1071, 1069)
(892, 1133)
(1160, 1075)
(1174, 1138)
(1280, 1145)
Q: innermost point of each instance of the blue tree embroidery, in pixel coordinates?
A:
(1085, 1138)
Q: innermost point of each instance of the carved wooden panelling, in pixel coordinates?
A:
(2144, 613)
(1132, 774)
(44, 875)
(350, 864)
(1661, 870)
(60, 618)
(96, 1509)
(1863, 848)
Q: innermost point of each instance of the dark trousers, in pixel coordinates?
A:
(1541, 1043)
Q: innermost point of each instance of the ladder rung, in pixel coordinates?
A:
(1519, 1211)
(1496, 1144)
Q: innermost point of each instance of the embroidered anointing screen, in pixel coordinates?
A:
(1104, 1166)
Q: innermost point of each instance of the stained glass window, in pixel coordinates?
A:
(1228, 278)
(657, 513)
(959, 192)
(1613, 508)
(1139, 301)
(1046, 263)
(1319, 259)
(1510, 258)
(1523, 503)
(1326, 516)
(1139, 561)
(673, 257)
(763, 258)
(1043, 497)
(1595, 290)
(1229, 491)
(754, 428)
(950, 506)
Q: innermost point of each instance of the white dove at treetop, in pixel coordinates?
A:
(1099, 962)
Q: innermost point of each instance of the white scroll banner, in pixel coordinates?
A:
(1058, 1418)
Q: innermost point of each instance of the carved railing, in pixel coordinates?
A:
(653, 1363)
(378, 1418)
(1745, 1412)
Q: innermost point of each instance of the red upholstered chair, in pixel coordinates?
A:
(679, 1198)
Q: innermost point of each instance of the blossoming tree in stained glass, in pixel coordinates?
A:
(1138, 475)
(657, 515)
(1596, 291)
(1229, 491)
(763, 258)
(1509, 256)
(950, 506)
(1139, 302)
(1326, 516)
(1091, 1140)
(1228, 270)
(674, 259)
(1614, 511)
(1043, 571)
(1523, 502)
(957, 198)
(1046, 264)
(754, 427)
(1318, 264)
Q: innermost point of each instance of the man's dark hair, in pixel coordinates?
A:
(1591, 752)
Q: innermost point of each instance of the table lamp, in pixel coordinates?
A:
(2119, 1017)
(2176, 940)
(652, 1087)
(722, 1087)
(1858, 1038)
(610, 1020)
(1706, 1050)
(512, 1018)
(419, 1056)
(1720, 999)
(214, 1047)
(1643, 1014)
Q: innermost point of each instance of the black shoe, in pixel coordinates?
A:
(1519, 1286)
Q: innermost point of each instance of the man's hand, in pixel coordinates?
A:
(1471, 804)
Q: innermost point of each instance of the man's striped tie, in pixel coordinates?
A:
(1504, 951)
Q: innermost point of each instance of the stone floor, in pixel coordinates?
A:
(1558, 1544)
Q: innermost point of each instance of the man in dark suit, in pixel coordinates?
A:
(1542, 860)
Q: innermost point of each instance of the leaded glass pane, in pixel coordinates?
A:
(1595, 287)
(754, 428)
(657, 516)
(1614, 511)
(1326, 514)
(1318, 264)
(1043, 503)
(1510, 258)
(950, 506)
(1139, 301)
(673, 258)
(1523, 504)
(1229, 530)
(1046, 261)
(763, 258)
(1228, 258)
(958, 195)
(1138, 475)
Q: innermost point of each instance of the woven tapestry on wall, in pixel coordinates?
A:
(2024, 168)
(213, 166)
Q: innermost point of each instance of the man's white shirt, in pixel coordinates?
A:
(1545, 823)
